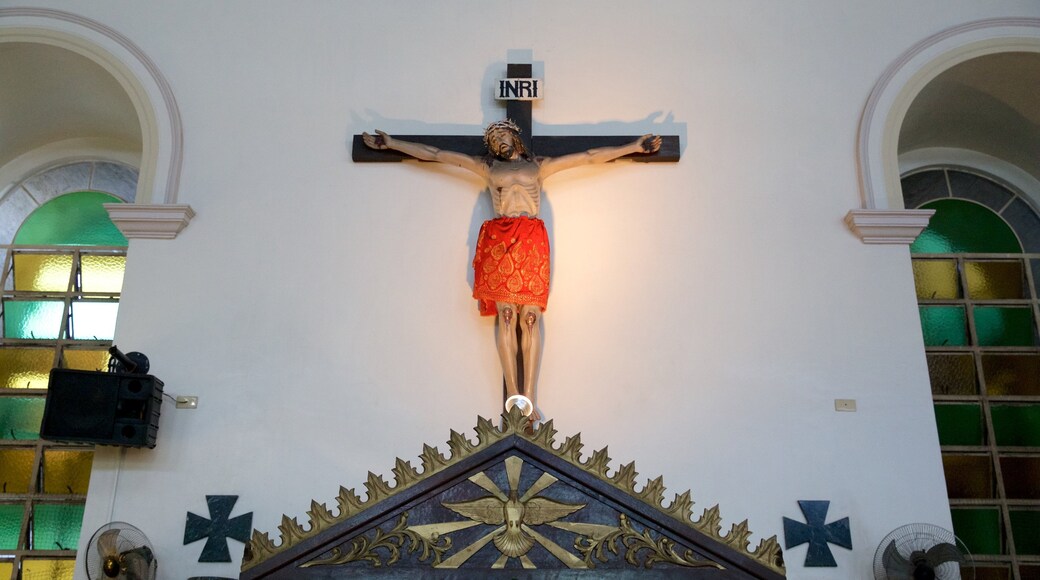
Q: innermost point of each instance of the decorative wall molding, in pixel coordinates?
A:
(156, 222)
(878, 135)
(162, 133)
(888, 226)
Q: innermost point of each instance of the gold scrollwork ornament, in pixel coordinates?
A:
(364, 549)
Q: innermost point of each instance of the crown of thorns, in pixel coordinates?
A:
(497, 125)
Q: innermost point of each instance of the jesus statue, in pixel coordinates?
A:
(511, 263)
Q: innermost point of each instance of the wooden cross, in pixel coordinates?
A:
(520, 113)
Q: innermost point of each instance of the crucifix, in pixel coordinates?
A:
(511, 262)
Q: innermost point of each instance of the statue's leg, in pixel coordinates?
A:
(506, 338)
(530, 345)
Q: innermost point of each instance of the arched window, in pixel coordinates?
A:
(62, 276)
(977, 273)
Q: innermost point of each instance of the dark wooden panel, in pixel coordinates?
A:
(520, 111)
(548, 146)
(544, 146)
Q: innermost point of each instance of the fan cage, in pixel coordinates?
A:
(920, 536)
(129, 538)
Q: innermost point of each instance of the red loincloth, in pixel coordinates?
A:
(511, 263)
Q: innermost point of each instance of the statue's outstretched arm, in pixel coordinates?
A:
(424, 152)
(645, 144)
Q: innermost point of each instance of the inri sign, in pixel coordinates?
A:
(518, 89)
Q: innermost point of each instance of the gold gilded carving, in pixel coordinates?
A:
(544, 436)
(641, 549)
(514, 514)
(391, 543)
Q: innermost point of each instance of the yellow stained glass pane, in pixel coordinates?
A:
(48, 569)
(16, 469)
(25, 368)
(5, 570)
(42, 272)
(84, 360)
(994, 280)
(1012, 374)
(952, 374)
(936, 279)
(102, 273)
(66, 471)
(968, 476)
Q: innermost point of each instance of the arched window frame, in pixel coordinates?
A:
(988, 478)
(36, 496)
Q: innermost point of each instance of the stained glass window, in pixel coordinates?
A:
(61, 282)
(977, 288)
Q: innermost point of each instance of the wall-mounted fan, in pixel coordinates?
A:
(119, 550)
(922, 552)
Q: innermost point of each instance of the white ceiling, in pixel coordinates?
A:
(50, 94)
(990, 104)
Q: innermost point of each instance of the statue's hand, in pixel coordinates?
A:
(379, 141)
(650, 143)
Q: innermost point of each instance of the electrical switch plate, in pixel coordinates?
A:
(187, 402)
(845, 405)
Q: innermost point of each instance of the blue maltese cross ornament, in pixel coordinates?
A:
(217, 528)
(817, 533)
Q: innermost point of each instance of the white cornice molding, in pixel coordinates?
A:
(888, 226)
(153, 222)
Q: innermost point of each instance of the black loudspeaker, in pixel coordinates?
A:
(102, 408)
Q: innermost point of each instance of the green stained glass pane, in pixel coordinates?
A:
(102, 273)
(85, 359)
(56, 526)
(1025, 527)
(1021, 476)
(20, 417)
(968, 476)
(94, 320)
(943, 326)
(995, 280)
(66, 471)
(16, 469)
(1011, 374)
(32, 319)
(979, 529)
(1004, 326)
(952, 374)
(960, 226)
(49, 569)
(1016, 425)
(10, 525)
(936, 279)
(73, 219)
(42, 272)
(959, 424)
(25, 368)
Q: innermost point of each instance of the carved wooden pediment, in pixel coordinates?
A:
(517, 504)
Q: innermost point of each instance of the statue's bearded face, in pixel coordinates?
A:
(503, 144)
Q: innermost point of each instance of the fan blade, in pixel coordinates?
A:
(896, 566)
(137, 563)
(108, 543)
(941, 553)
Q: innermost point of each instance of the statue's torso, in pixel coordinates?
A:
(515, 187)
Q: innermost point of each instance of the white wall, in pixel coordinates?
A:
(704, 315)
